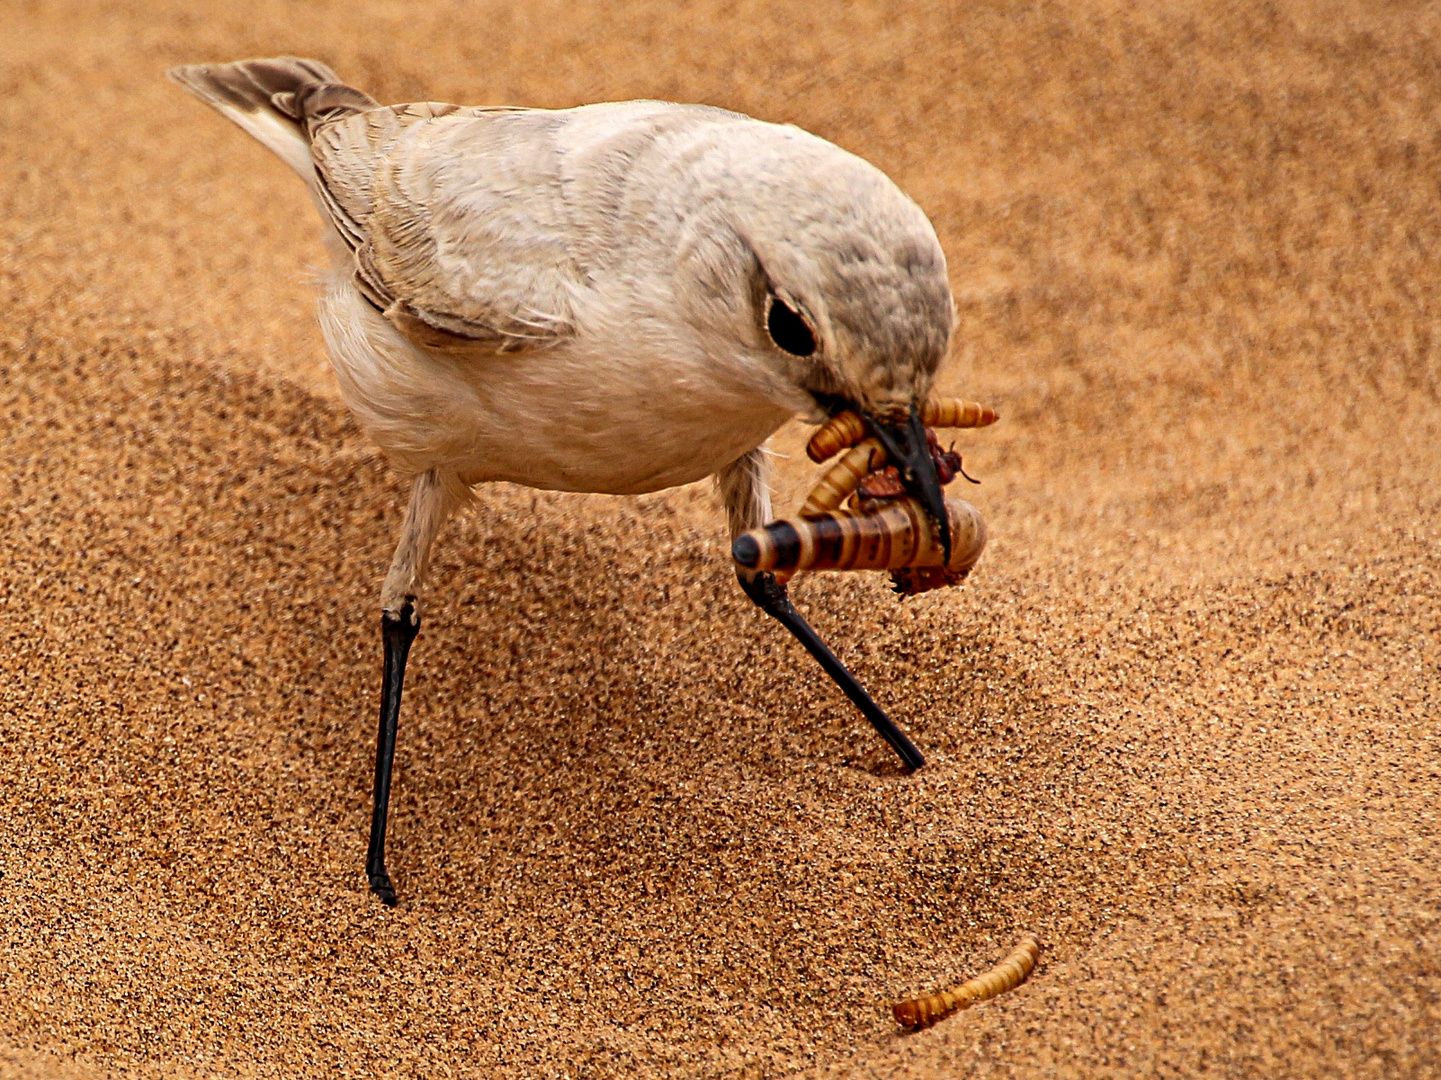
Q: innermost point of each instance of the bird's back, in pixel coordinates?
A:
(491, 224)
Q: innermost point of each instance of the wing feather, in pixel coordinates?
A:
(457, 222)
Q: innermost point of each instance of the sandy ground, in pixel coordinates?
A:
(1181, 723)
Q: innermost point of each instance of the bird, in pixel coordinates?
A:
(617, 297)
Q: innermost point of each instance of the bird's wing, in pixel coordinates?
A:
(455, 220)
(477, 229)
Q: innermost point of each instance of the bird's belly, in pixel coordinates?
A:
(619, 436)
(561, 418)
(555, 418)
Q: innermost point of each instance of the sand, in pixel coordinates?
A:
(1181, 722)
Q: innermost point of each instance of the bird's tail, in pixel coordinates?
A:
(280, 101)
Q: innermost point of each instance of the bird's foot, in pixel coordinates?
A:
(765, 592)
(381, 887)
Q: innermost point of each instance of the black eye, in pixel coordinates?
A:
(789, 330)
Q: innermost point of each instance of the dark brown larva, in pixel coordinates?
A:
(847, 428)
(884, 484)
(914, 580)
(1006, 975)
(898, 534)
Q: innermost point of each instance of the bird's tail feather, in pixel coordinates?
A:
(279, 100)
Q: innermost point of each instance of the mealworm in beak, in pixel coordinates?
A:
(842, 478)
(1007, 975)
(899, 534)
(955, 413)
(840, 431)
(847, 428)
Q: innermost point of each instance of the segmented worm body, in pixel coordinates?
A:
(955, 413)
(1006, 975)
(847, 428)
(842, 478)
(897, 534)
(840, 431)
(862, 470)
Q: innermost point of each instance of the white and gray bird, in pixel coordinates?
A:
(613, 298)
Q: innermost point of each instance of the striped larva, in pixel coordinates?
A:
(840, 431)
(896, 535)
(955, 413)
(1006, 975)
(847, 428)
(841, 479)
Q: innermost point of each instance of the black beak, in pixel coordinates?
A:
(909, 451)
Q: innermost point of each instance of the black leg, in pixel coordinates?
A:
(397, 632)
(772, 599)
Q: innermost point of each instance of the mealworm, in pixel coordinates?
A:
(842, 478)
(1007, 975)
(847, 428)
(955, 413)
(840, 431)
(898, 534)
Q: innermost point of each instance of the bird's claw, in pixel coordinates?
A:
(381, 887)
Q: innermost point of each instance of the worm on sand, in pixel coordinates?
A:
(1007, 975)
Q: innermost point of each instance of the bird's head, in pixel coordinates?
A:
(836, 284)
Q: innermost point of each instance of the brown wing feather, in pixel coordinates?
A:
(385, 206)
(409, 215)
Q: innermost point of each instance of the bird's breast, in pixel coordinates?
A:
(576, 416)
(620, 426)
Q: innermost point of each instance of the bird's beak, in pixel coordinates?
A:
(910, 452)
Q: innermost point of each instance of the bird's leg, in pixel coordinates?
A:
(770, 596)
(742, 485)
(397, 631)
(432, 501)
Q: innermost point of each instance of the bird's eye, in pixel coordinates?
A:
(788, 330)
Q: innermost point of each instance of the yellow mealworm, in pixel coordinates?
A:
(847, 428)
(955, 413)
(840, 431)
(842, 478)
(1007, 975)
(900, 534)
